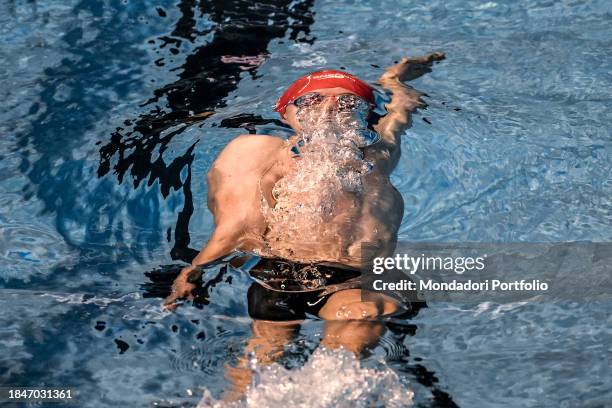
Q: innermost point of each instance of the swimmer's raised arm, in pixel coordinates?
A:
(404, 99)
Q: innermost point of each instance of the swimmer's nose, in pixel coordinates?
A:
(329, 104)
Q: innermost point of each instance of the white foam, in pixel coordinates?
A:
(328, 173)
(328, 379)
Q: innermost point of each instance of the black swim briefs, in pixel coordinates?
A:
(286, 290)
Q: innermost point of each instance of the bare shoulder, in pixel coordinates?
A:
(247, 143)
(246, 155)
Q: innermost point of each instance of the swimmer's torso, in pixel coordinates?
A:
(316, 207)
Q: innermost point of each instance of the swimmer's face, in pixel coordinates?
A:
(324, 101)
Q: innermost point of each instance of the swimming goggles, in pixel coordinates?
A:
(345, 102)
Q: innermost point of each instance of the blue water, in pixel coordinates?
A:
(102, 178)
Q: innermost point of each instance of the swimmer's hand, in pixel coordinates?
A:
(182, 287)
(411, 68)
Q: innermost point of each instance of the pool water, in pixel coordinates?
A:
(113, 111)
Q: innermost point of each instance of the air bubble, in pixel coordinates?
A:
(329, 174)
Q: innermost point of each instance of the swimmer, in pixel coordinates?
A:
(311, 200)
(316, 196)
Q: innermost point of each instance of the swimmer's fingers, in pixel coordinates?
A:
(429, 58)
(411, 68)
(173, 301)
(423, 60)
(180, 290)
(170, 304)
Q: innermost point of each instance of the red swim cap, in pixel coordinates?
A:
(329, 78)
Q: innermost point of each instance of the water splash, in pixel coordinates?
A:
(328, 379)
(327, 179)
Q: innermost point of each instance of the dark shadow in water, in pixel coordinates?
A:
(249, 122)
(240, 36)
(161, 280)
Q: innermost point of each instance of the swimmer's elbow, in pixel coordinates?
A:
(391, 128)
(225, 240)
